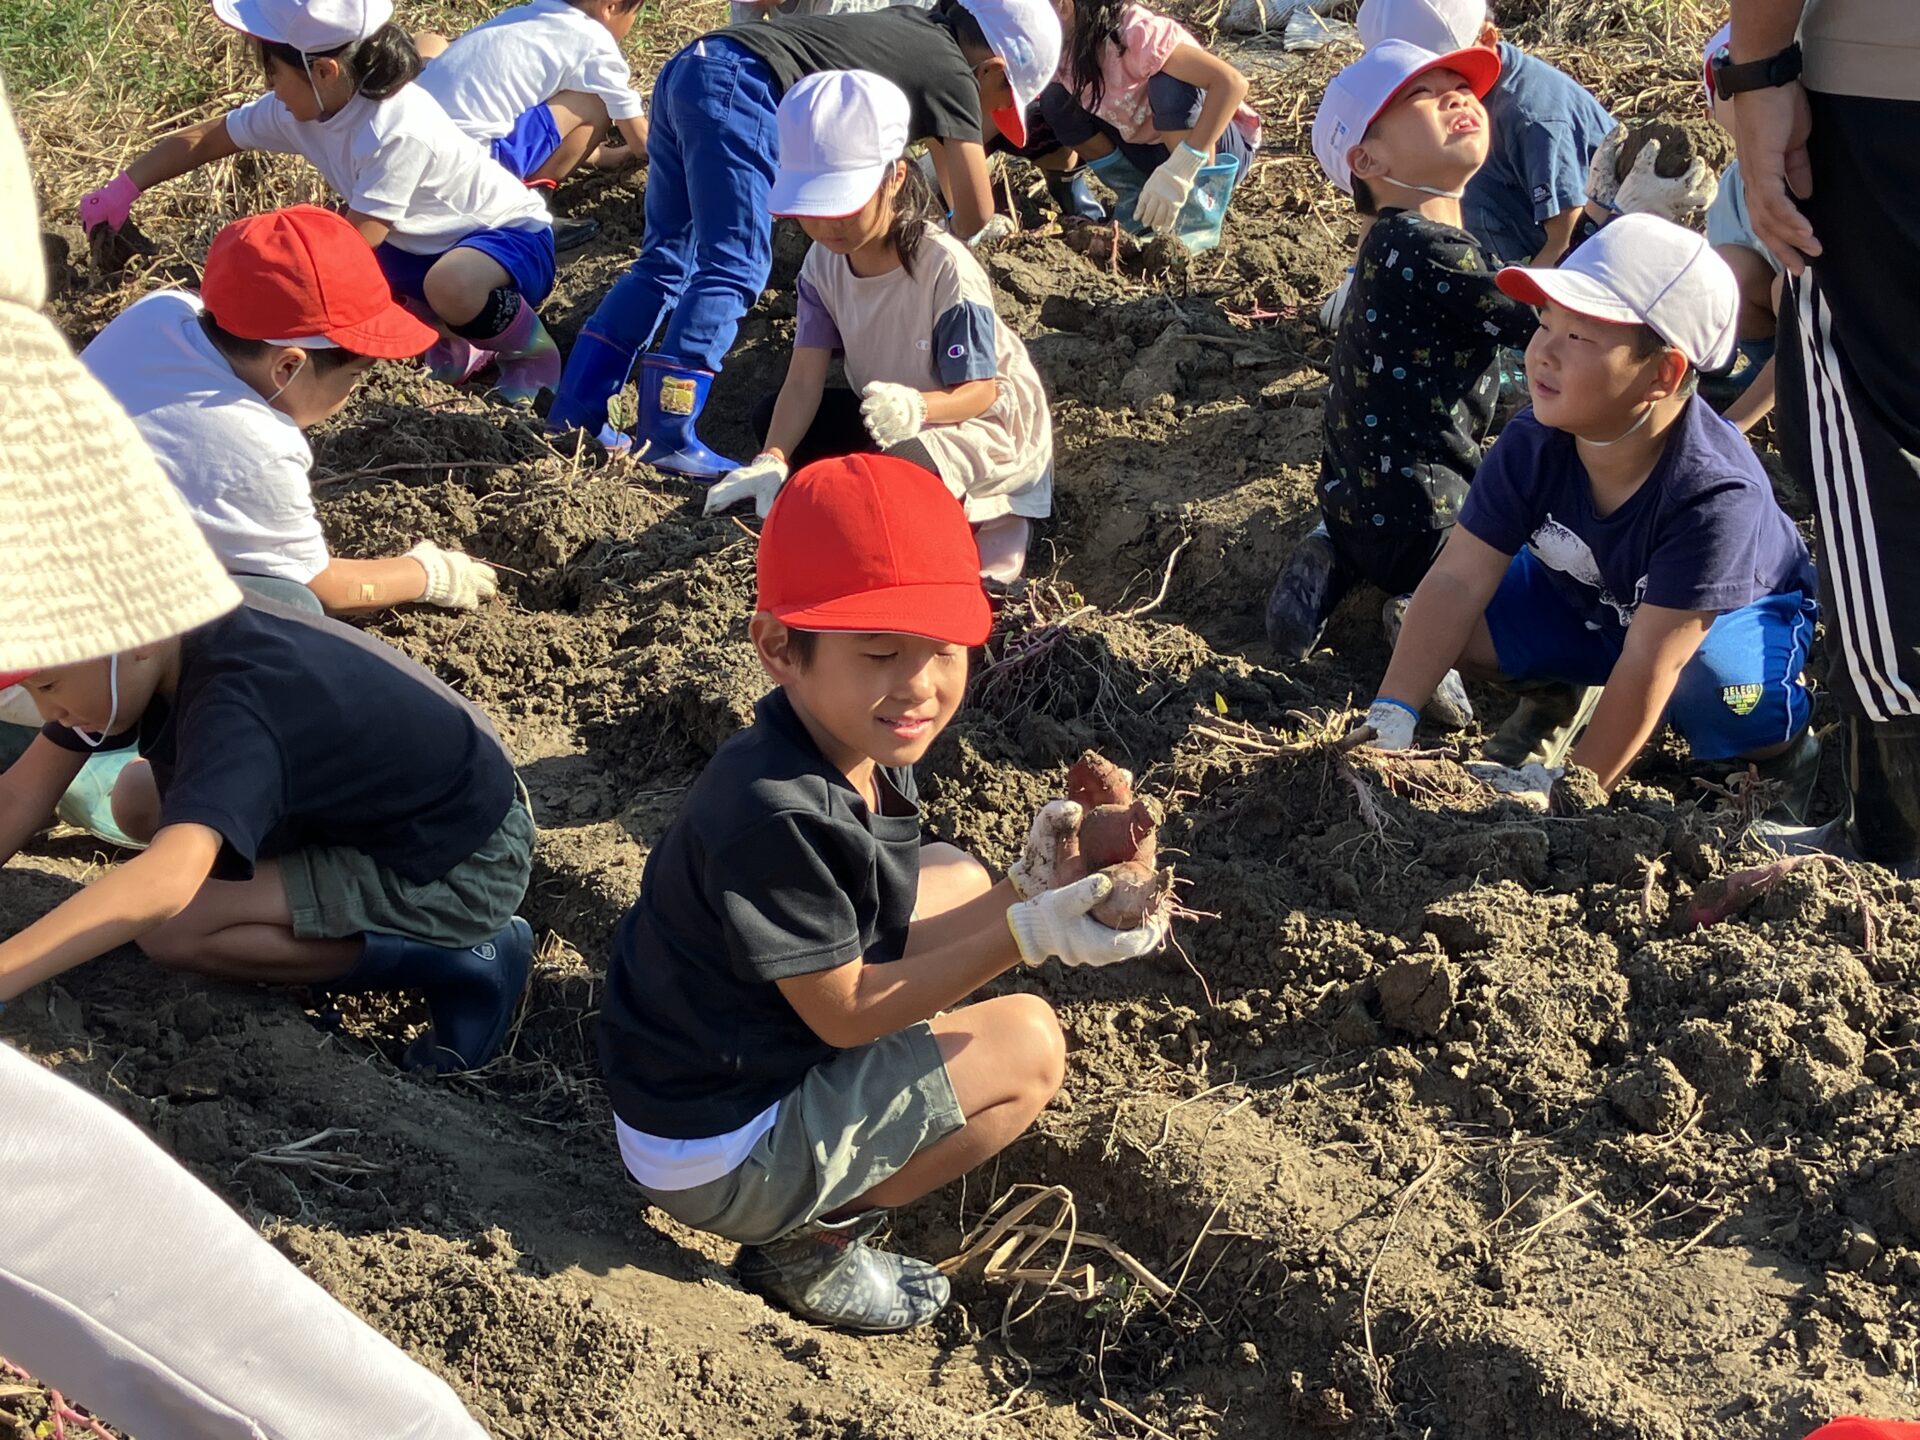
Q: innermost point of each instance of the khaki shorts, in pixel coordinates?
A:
(336, 891)
(855, 1121)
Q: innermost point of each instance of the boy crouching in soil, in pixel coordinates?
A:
(322, 811)
(1621, 534)
(782, 1032)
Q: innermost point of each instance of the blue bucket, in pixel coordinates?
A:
(1198, 227)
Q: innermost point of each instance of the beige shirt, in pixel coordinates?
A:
(1862, 47)
(936, 329)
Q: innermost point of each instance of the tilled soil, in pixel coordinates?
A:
(1443, 1122)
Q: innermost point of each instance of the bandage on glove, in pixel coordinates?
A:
(892, 412)
(1052, 847)
(454, 580)
(1165, 194)
(1059, 923)
(759, 479)
(1529, 784)
(1335, 305)
(1392, 724)
(110, 204)
(1647, 192)
(1603, 171)
(997, 228)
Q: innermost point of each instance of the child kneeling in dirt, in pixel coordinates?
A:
(460, 240)
(292, 312)
(936, 378)
(1622, 534)
(320, 811)
(782, 1032)
(1416, 365)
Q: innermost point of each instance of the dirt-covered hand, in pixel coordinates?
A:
(110, 204)
(893, 412)
(454, 580)
(1165, 194)
(1529, 784)
(1059, 923)
(1603, 171)
(758, 480)
(1053, 851)
(1647, 192)
(1392, 724)
(997, 228)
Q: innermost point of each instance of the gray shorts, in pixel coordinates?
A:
(855, 1121)
(336, 891)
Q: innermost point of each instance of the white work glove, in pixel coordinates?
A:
(1392, 724)
(893, 412)
(1058, 923)
(1335, 305)
(1530, 784)
(454, 580)
(759, 479)
(1037, 870)
(1603, 170)
(1165, 194)
(997, 228)
(1644, 192)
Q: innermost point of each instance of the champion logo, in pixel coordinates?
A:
(954, 352)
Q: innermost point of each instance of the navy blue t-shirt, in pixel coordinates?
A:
(1543, 129)
(1702, 533)
(290, 730)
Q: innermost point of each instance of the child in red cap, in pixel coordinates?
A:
(292, 311)
(782, 1033)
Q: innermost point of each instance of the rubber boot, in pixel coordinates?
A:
(471, 993)
(1304, 595)
(572, 234)
(88, 802)
(454, 360)
(826, 1273)
(1882, 820)
(1449, 708)
(672, 396)
(529, 360)
(1791, 776)
(596, 368)
(1070, 195)
(1543, 726)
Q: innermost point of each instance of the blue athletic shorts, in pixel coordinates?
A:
(525, 148)
(1740, 693)
(526, 256)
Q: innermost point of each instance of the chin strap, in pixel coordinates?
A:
(1425, 189)
(1645, 415)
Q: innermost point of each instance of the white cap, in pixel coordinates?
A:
(312, 28)
(1722, 38)
(840, 132)
(1356, 96)
(1645, 270)
(1025, 34)
(1436, 25)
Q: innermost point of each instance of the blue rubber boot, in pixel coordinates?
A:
(88, 803)
(1070, 195)
(471, 993)
(596, 368)
(672, 396)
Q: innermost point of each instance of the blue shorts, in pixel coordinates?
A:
(1740, 693)
(526, 255)
(525, 148)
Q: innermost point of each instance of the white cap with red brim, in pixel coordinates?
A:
(1356, 96)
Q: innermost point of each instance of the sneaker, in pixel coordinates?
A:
(1449, 707)
(826, 1273)
(1543, 726)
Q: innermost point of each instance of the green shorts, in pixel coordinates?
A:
(336, 891)
(855, 1121)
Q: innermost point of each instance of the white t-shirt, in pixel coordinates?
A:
(240, 464)
(400, 160)
(523, 57)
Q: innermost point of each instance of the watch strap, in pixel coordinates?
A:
(1779, 69)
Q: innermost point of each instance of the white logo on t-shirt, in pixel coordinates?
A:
(1558, 548)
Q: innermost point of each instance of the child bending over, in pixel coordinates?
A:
(936, 378)
(456, 235)
(1621, 534)
(784, 1031)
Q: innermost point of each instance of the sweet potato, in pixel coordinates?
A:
(1120, 834)
(1095, 780)
(1138, 890)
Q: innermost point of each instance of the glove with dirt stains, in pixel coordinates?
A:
(1165, 194)
(1603, 171)
(454, 581)
(1531, 785)
(1647, 192)
(1052, 847)
(1060, 923)
(1392, 723)
(758, 480)
(997, 228)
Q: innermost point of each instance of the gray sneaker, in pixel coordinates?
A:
(1543, 726)
(826, 1273)
(1449, 708)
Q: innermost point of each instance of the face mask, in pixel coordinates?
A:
(289, 380)
(95, 741)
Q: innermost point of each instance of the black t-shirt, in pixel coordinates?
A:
(289, 730)
(904, 44)
(1416, 372)
(774, 867)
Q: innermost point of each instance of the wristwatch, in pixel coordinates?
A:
(1730, 80)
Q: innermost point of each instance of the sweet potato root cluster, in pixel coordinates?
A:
(1118, 837)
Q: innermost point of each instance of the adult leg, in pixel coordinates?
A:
(582, 121)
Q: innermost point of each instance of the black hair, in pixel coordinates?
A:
(966, 29)
(802, 646)
(380, 66)
(1363, 200)
(914, 209)
(1096, 25)
(1648, 342)
(236, 347)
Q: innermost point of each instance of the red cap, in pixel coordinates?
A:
(11, 678)
(872, 542)
(1852, 1427)
(304, 273)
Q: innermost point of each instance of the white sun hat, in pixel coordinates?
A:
(312, 28)
(1641, 269)
(1356, 96)
(840, 133)
(1437, 25)
(1025, 34)
(98, 553)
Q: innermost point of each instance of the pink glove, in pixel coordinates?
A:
(111, 204)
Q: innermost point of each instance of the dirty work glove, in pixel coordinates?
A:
(1392, 724)
(1529, 784)
(457, 581)
(1038, 869)
(1335, 305)
(997, 228)
(759, 479)
(110, 204)
(1645, 192)
(1165, 194)
(893, 412)
(1058, 923)
(1603, 171)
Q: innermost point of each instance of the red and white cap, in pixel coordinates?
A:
(1025, 35)
(840, 133)
(1356, 96)
(313, 27)
(1641, 269)
(1436, 25)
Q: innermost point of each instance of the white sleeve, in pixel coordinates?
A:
(606, 74)
(264, 124)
